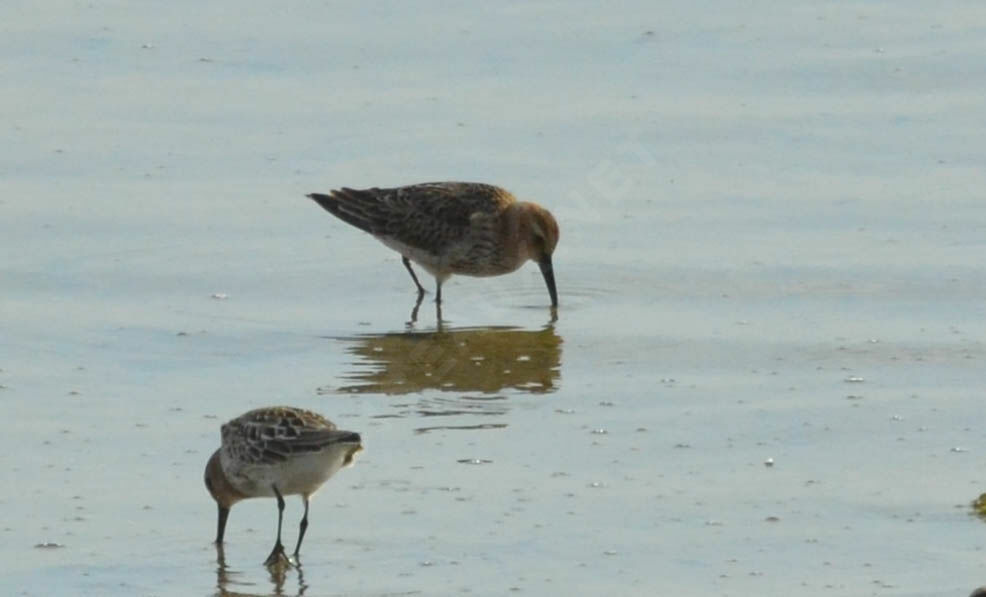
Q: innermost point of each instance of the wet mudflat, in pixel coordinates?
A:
(764, 377)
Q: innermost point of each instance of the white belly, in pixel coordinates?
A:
(439, 266)
(300, 474)
(457, 258)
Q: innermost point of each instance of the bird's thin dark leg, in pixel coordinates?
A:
(407, 264)
(302, 528)
(221, 524)
(438, 292)
(414, 311)
(277, 553)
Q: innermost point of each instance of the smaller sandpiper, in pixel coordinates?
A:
(273, 452)
(450, 228)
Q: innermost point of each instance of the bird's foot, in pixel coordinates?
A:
(278, 558)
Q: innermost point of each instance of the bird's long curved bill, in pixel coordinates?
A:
(221, 524)
(549, 278)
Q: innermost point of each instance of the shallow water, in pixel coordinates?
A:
(764, 376)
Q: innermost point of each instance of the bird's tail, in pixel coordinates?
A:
(359, 208)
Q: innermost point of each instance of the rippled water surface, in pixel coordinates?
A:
(765, 376)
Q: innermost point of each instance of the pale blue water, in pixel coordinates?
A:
(756, 205)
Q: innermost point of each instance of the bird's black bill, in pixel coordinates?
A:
(549, 278)
(221, 525)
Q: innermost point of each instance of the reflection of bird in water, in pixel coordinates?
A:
(450, 228)
(273, 452)
(485, 360)
(226, 581)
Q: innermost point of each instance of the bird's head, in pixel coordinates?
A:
(541, 236)
(221, 490)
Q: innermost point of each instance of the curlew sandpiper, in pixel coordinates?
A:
(450, 228)
(273, 452)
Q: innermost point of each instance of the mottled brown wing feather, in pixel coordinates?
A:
(427, 216)
(270, 435)
(311, 441)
